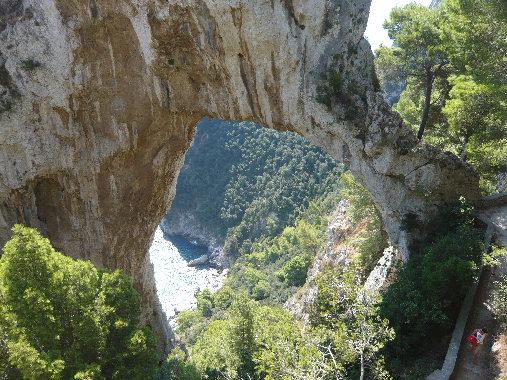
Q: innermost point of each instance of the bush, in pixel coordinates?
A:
(430, 287)
(62, 318)
(224, 297)
(205, 303)
(29, 64)
(177, 368)
(261, 290)
(500, 302)
(186, 318)
(331, 87)
(296, 269)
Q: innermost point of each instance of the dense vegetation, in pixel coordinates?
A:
(63, 319)
(351, 330)
(426, 296)
(452, 61)
(266, 273)
(242, 181)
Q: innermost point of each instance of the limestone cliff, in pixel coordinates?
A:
(99, 102)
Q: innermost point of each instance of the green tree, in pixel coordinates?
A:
(205, 303)
(62, 319)
(295, 270)
(287, 352)
(228, 345)
(476, 126)
(418, 51)
(368, 333)
(372, 242)
(429, 288)
(242, 335)
(349, 316)
(500, 301)
(476, 30)
(177, 367)
(212, 350)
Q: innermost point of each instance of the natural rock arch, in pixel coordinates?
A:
(100, 102)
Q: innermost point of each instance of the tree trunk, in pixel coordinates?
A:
(362, 367)
(463, 154)
(427, 103)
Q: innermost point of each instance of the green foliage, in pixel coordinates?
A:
(500, 301)
(430, 287)
(476, 31)
(263, 342)
(205, 303)
(361, 204)
(29, 64)
(177, 367)
(62, 318)
(186, 318)
(349, 315)
(294, 271)
(262, 289)
(277, 266)
(476, 126)
(331, 87)
(373, 240)
(244, 182)
(229, 344)
(419, 51)
(494, 257)
(452, 60)
(224, 297)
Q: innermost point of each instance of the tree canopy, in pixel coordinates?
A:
(452, 61)
(64, 319)
(418, 50)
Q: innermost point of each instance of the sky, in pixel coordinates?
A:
(379, 11)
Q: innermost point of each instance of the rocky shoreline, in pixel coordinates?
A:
(186, 224)
(176, 280)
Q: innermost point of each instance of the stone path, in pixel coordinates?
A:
(480, 316)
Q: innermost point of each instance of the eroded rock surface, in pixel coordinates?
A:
(99, 102)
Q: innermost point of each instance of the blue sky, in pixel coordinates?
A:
(379, 11)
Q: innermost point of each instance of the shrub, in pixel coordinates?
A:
(296, 269)
(205, 303)
(224, 297)
(500, 301)
(261, 290)
(331, 87)
(186, 318)
(29, 64)
(430, 287)
(62, 318)
(177, 368)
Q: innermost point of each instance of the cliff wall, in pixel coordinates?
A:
(99, 102)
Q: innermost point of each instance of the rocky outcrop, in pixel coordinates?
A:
(103, 98)
(334, 253)
(185, 223)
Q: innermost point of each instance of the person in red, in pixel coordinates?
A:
(477, 340)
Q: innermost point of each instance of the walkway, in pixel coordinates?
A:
(480, 315)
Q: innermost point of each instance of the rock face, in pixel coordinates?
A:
(335, 253)
(188, 225)
(99, 102)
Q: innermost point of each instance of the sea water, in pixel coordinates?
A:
(177, 283)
